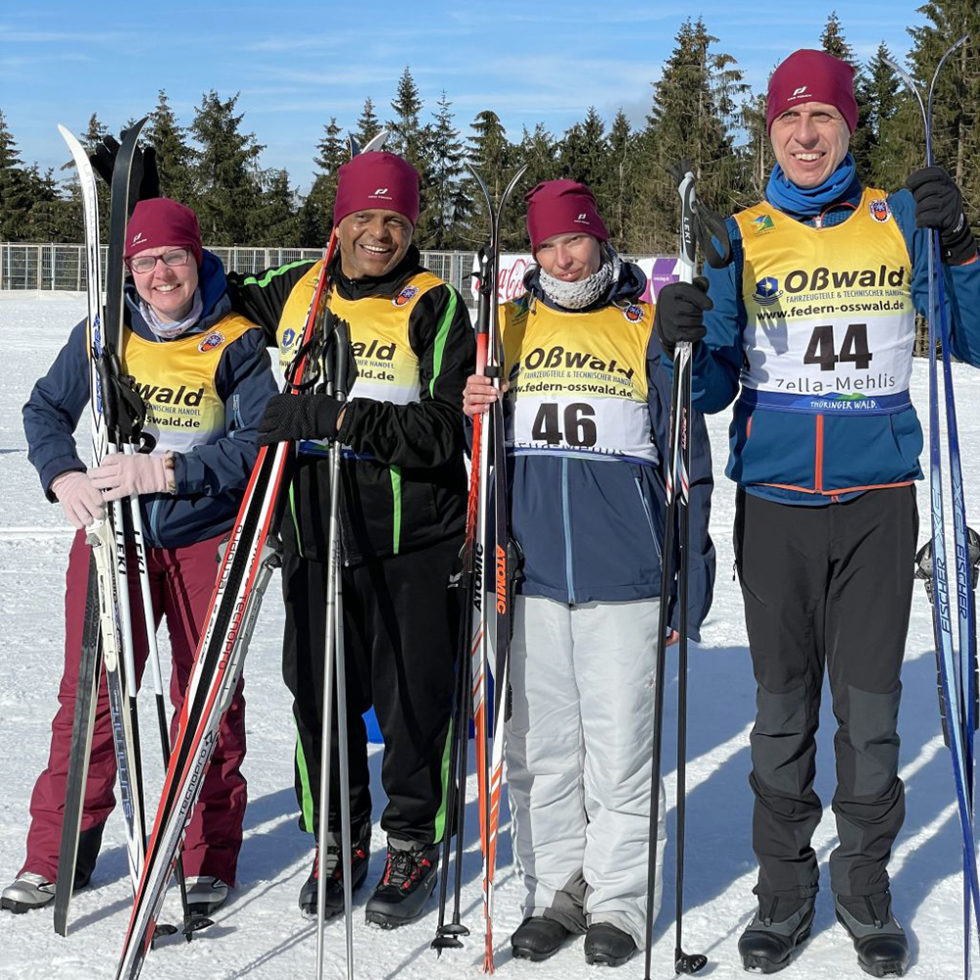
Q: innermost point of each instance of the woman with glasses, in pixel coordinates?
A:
(204, 376)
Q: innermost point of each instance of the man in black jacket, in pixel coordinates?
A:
(402, 513)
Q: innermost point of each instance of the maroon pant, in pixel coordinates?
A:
(181, 583)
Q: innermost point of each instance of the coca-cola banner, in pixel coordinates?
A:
(510, 280)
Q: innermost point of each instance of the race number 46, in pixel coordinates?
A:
(822, 348)
(577, 417)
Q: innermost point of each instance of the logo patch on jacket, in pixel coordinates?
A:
(763, 223)
(879, 210)
(633, 313)
(767, 291)
(408, 293)
(212, 340)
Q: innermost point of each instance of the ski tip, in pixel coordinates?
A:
(376, 142)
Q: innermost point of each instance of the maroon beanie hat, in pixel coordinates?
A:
(377, 180)
(160, 221)
(812, 76)
(561, 207)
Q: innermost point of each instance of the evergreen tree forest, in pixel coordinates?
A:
(701, 110)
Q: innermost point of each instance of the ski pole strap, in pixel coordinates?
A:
(699, 223)
(122, 407)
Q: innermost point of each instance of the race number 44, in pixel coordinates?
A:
(822, 348)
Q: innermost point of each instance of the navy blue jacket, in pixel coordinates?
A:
(592, 531)
(210, 478)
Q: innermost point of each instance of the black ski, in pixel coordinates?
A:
(101, 611)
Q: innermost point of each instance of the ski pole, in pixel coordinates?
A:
(446, 935)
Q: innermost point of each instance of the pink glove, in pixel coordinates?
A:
(120, 475)
(79, 498)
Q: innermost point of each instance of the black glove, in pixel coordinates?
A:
(145, 180)
(680, 313)
(939, 205)
(290, 417)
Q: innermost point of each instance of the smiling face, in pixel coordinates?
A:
(809, 142)
(571, 257)
(373, 242)
(169, 289)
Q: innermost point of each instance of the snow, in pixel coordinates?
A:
(261, 934)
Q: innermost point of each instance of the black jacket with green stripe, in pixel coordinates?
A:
(404, 480)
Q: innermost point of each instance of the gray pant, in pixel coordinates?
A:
(826, 588)
(579, 752)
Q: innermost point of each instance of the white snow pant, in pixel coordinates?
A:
(579, 745)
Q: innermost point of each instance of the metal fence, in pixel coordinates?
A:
(50, 266)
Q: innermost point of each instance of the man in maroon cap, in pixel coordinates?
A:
(812, 330)
(403, 502)
(588, 404)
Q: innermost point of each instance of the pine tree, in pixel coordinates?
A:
(15, 191)
(275, 221)
(583, 153)
(169, 139)
(955, 130)
(756, 154)
(406, 137)
(226, 186)
(446, 208)
(693, 112)
(493, 157)
(316, 214)
(882, 93)
(620, 176)
(832, 40)
(52, 216)
(368, 125)
(539, 151)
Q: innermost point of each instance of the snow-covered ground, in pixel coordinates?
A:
(261, 934)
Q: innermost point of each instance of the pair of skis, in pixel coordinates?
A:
(117, 415)
(956, 671)
(698, 226)
(489, 567)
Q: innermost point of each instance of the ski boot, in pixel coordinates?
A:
(333, 874)
(409, 877)
(881, 944)
(768, 942)
(608, 945)
(537, 938)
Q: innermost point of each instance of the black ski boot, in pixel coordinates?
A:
(881, 944)
(537, 938)
(333, 874)
(776, 929)
(608, 945)
(409, 877)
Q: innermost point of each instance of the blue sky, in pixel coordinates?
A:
(298, 64)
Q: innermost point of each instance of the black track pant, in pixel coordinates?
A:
(826, 587)
(400, 632)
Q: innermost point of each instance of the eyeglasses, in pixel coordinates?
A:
(147, 263)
